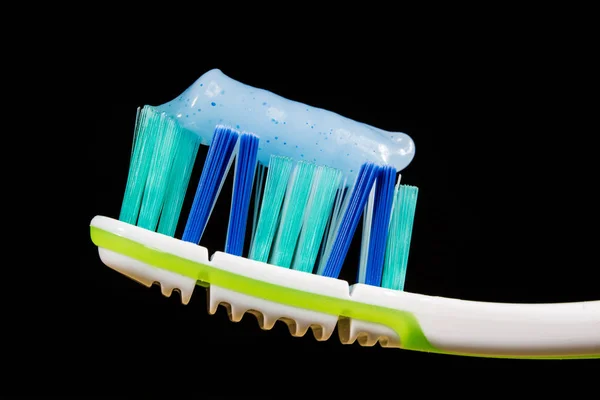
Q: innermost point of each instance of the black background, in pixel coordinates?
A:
(506, 205)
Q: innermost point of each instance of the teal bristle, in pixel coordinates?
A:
(400, 233)
(158, 172)
(181, 171)
(292, 213)
(278, 176)
(162, 159)
(325, 184)
(145, 135)
(304, 216)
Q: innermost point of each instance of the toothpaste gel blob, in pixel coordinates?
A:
(286, 127)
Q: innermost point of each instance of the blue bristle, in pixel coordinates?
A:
(356, 204)
(211, 179)
(382, 209)
(245, 166)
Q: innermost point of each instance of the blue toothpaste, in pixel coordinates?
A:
(286, 127)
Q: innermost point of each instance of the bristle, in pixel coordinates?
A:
(161, 160)
(292, 213)
(158, 172)
(179, 178)
(278, 176)
(366, 236)
(245, 167)
(347, 226)
(324, 187)
(341, 200)
(146, 133)
(258, 187)
(213, 175)
(399, 238)
(384, 198)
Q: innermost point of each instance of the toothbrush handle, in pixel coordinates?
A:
(515, 329)
(559, 330)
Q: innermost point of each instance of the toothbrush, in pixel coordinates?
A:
(324, 173)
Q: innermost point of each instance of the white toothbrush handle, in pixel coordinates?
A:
(497, 329)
